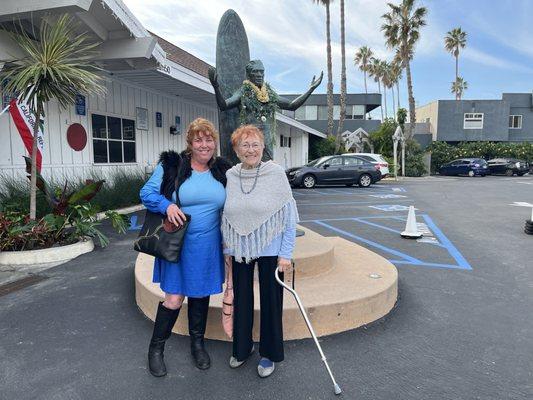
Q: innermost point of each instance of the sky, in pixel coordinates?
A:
(289, 36)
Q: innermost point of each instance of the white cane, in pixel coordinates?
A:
(336, 387)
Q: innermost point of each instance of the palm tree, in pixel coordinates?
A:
(402, 31)
(385, 73)
(55, 67)
(343, 83)
(396, 76)
(362, 60)
(459, 87)
(455, 40)
(326, 3)
(376, 71)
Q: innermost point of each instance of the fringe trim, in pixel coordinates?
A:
(251, 245)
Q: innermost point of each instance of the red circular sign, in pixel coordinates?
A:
(76, 137)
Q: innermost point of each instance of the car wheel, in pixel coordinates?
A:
(509, 172)
(520, 174)
(471, 173)
(309, 181)
(365, 180)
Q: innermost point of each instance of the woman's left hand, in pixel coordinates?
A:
(284, 264)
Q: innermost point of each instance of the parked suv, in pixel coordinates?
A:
(508, 166)
(376, 159)
(465, 166)
(347, 170)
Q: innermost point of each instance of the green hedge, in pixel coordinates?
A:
(442, 152)
(121, 189)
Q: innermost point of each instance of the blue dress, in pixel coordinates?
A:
(200, 271)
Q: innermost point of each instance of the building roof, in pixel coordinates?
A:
(182, 57)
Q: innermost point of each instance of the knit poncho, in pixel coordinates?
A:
(251, 221)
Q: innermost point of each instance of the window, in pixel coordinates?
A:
(353, 161)
(473, 121)
(515, 121)
(285, 141)
(359, 112)
(349, 112)
(334, 161)
(336, 113)
(323, 113)
(113, 139)
(311, 113)
(300, 113)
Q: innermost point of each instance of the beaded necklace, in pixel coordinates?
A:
(255, 179)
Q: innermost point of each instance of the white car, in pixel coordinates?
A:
(376, 159)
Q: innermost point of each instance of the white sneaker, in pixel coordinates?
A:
(234, 363)
(265, 367)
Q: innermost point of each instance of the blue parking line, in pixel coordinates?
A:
(397, 253)
(345, 203)
(425, 264)
(461, 261)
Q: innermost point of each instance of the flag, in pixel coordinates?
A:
(24, 120)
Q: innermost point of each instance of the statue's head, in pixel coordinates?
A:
(255, 72)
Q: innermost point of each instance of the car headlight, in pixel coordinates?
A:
(517, 165)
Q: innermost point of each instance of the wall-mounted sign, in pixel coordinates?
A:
(177, 122)
(141, 117)
(158, 119)
(76, 137)
(81, 108)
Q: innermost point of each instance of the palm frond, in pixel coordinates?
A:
(57, 66)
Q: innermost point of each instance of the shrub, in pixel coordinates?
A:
(442, 152)
(323, 147)
(382, 138)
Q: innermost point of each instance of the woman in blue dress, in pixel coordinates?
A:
(198, 178)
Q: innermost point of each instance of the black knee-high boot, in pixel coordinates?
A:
(164, 321)
(197, 313)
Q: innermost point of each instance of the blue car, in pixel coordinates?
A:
(465, 166)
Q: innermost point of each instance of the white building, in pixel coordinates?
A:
(150, 82)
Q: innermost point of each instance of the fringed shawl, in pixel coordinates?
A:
(251, 221)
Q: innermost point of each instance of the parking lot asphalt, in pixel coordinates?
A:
(462, 327)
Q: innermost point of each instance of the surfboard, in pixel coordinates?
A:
(232, 55)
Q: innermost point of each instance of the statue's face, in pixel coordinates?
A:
(257, 76)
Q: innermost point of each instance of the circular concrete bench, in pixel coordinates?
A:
(341, 284)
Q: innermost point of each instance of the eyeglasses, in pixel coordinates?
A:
(248, 146)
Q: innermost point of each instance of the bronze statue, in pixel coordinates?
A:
(258, 102)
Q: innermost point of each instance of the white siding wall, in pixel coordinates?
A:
(293, 156)
(121, 100)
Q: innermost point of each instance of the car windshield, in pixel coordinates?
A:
(317, 161)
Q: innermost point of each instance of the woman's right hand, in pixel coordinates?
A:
(175, 215)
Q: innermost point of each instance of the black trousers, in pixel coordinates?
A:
(271, 300)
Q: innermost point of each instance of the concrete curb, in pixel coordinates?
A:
(41, 259)
(126, 210)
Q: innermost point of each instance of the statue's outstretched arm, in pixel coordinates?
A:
(287, 104)
(223, 104)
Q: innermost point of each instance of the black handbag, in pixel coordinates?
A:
(161, 238)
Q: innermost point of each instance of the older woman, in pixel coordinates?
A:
(258, 226)
(197, 179)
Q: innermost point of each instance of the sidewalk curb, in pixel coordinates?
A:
(126, 210)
